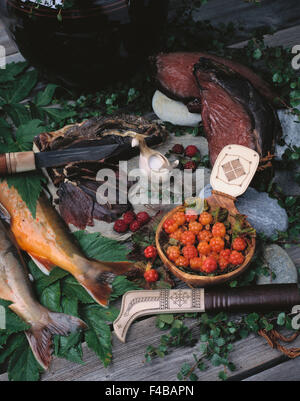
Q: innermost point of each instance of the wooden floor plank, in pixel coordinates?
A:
(287, 371)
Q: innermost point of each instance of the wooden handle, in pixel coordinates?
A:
(272, 297)
(12, 163)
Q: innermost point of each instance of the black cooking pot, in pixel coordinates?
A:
(87, 43)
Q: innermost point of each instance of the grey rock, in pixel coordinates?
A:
(264, 213)
(286, 179)
(290, 130)
(280, 264)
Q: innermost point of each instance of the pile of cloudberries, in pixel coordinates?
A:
(203, 245)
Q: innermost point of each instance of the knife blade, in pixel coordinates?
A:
(272, 297)
(12, 163)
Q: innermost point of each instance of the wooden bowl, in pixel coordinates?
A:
(194, 280)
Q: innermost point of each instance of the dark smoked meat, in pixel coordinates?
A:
(77, 182)
(233, 111)
(175, 78)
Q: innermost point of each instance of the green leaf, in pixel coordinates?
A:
(121, 285)
(95, 246)
(72, 289)
(168, 318)
(45, 281)
(14, 342)
(58, 115)
(70, 306)
(14, 324)
(98, 338)
(26, 132)
(51, 296)
(281, 319)
(11, 71)
(23, 365)
(23, 87)
(106, 314)
(257, 54)
(29, 187)
(18, 112)
(45, 97)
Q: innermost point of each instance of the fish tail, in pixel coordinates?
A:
(40, 337)
(99, 277)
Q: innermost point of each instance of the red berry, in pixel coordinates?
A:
(173, 253)
(151, 276)
(204, 248)
(178, 149)
(219, 230)
(120, 226)
(190, 166)
(170, 226)
(209, 265)
(135, 226)
(191, 151)
(223, 263)
(205, 218)
(182, 261)
(204, 235)
(239, 244)
(236, 258)
(188, 238)
(179, 217)
(190, 216)
(143, 218)
(196, 263)
(225, 254)
(195, 227)
(129, 217)
(217, 244)
(150, 252)
(189, 252)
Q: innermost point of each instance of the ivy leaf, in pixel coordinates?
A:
(105, 249)
(45, 97)
(29, 186)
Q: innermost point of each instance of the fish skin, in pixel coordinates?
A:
(16, 288)
(47, 239)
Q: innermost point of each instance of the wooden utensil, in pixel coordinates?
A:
(230, 177)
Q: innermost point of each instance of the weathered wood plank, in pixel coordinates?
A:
(287, 371)
(250, 356)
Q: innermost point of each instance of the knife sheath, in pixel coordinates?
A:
(259, 298)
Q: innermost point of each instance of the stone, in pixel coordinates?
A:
(280, 264)
(286, 180)
(263, 212)
(290, 132)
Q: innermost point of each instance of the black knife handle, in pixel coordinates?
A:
(272, 297)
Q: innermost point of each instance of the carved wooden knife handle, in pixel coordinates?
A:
(12, 163)
(272, 297)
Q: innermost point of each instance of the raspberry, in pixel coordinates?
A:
(190, 166)
(170, 226)
(143, 218)
(217, 244)
(176, 234)
(178, 149)
(135, 226)
(195, 227)
(188, 238)
(196, 263)
(191, 151)
(205, 236)
(129, 217)
(179, 217)
(150, 252)
(182, 261)
(225, 254)
(190, 216)
(189, 252)
(173, 253)
(223, 263)
(209, 265)
(204, 248)
(205, 218)
(239, 244)
(236, 258)
(120, 226)
(219, 230)
(151, 276)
